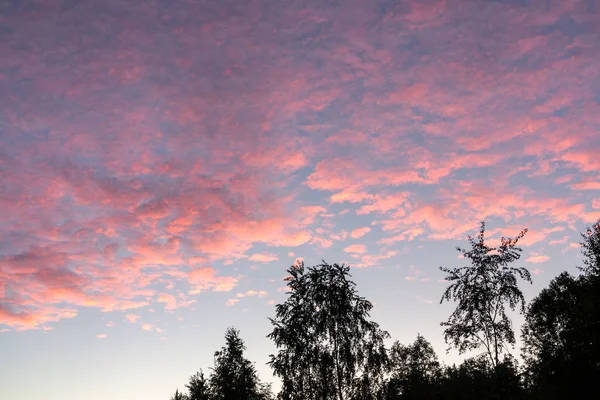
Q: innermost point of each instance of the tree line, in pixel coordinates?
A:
(328, 348)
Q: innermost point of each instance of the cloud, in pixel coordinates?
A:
(206, 279)
(232, 302)
(360, 232)
(263, 257)
(564, 240)
(415, 274)
(590, 185)
(252, 293)
(135, 170)
(132, 318)
(172, 302)
(356, 248)
(537, 259)
(147, 327)
(102, 336)
(369, 260)
(537, 271)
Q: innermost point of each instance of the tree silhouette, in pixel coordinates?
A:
(415, 371)
(198, 387)
(590, 248)
(179, 396)
(561, 334)
(234, 377)
(467, 381)
(562, 330)
(482, 290)
(328, 348)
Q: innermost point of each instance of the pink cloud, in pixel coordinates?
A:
(369, 260)
(169, 300)
(537, 259)
(564, 240)
(356, 248)
(416, 274)
(147, 327)
(252, 293)
(360, 232)
(406, 235)
(115, 196)
(206, 279)
(263, 257)
(102, 336)
(590, 185)
(232, 302)
(132, 318)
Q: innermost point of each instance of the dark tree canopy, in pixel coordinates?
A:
(198, 387)
(561, 338)
(561, 334)
(415, 371)
(233, 376)
(482, 291)
(328, 348)
(477, 379)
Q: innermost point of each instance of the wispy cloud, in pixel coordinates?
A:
(132, 318)
(356, 248)
(360, 232)
(537, 259)
(263, 257)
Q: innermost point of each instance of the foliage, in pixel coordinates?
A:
(327, 346)
(590, 248)
(482, 290)
(562, 330)
(234, 377)
(179, 396)
(476, 379)
(198, 387)
(561, 340)
(415, 371)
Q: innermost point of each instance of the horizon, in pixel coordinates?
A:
(163, 163)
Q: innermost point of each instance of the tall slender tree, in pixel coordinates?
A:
(198, 387)
(234, 377)
(328, 348)
(483, 290)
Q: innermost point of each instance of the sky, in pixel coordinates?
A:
(162, 162)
